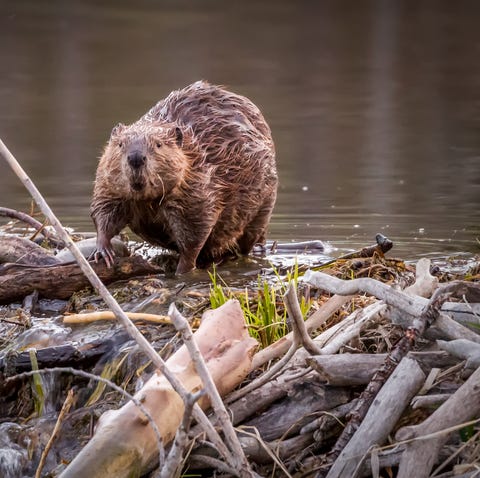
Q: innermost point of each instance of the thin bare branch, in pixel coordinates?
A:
(65, 409)
(142, 342)
(293, 308)
(238, 457)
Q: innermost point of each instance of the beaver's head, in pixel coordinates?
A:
(145, 160)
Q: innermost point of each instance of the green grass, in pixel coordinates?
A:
(262, 307)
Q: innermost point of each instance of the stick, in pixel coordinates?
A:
(268, 375)
(240, 460)
(403, 346)
(419, 456)
(382, 416)
(175, 456)
(300, 336)
(316, 320)
(142, 342)
(412, 306)
(21, 216)
(293, 309)
(108, 315)
(65, 409)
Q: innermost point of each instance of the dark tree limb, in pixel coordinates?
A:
(383, 245)
(61, 281)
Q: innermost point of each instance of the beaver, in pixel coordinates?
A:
(196, 174)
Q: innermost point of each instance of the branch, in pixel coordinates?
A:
(176, 453)
(24, 217)
(382, 416)
(65, 409)
(293, 309)
(315, 321)
(239, 460)
(107, 315)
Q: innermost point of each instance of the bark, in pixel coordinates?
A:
(286, 418)
(61, 281)
(19, 250)
(80, 355)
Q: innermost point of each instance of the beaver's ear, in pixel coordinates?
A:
(179, 136)
(117, 130)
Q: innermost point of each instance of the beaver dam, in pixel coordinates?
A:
(362, 366)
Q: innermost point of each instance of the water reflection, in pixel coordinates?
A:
(374, 105)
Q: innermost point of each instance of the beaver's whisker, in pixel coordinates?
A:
(163, 190)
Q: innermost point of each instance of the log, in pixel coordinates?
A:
(61, 281)
(358, 369)
(123, 443)
(272, 391)
(382, 416)
(420, 455)
(465, 314)
(287, 417)
(67, 355)
(19, 250)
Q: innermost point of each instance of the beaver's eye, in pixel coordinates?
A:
(158, 144)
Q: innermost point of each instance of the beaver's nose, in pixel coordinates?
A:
(136, 159)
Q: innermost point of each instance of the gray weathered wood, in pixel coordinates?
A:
(420, 455)
(382, 416)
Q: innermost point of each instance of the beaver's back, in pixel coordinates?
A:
(221, 122)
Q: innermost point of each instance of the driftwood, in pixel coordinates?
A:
(416, 328)
(61, 281)
(358, 369)
(381, 417)
(409, 307)
(465, 349)
(421, 454)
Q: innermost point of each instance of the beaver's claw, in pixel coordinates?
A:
(104, 250)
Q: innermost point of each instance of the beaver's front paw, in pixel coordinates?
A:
(104, 250)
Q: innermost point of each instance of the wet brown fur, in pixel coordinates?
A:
(208, 184)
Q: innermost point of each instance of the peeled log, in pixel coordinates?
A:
(124, 443)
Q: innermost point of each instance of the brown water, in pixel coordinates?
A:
(374, 105)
